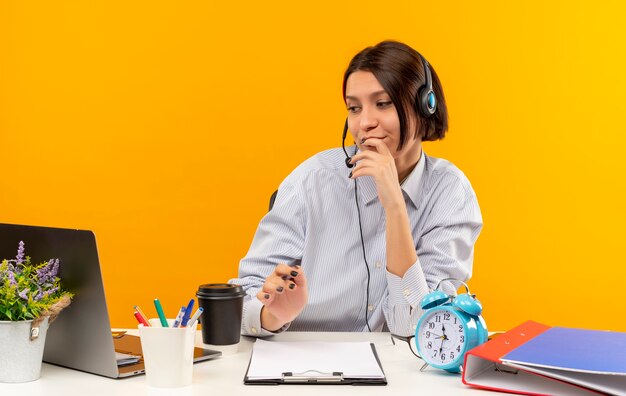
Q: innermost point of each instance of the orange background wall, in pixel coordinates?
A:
(165, 126)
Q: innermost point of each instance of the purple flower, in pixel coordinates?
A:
(48, 272)
(42, 274)
(23, 294)
(50, 292)
(55, 268)
(11, 277)
(20, 252)
(40, 294)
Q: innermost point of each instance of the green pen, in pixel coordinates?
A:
(159, 309)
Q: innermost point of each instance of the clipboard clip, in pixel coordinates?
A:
(312, 376)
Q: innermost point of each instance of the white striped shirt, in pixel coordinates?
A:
(314, 220)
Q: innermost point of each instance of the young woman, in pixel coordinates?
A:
(356, 249)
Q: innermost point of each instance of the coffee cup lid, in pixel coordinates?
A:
(228, 290)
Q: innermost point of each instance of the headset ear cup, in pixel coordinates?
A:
(421, 102)
(426, 102)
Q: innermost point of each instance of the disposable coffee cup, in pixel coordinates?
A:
(221, 319)
(168, 354)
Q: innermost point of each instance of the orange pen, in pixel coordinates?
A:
(143, 315)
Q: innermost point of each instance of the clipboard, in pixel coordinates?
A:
(297, 354)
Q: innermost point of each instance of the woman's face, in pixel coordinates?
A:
(372, 114)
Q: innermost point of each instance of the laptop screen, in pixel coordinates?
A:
(80, 338)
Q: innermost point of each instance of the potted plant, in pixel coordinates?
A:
(31, 297)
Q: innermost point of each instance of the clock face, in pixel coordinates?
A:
(442, 338)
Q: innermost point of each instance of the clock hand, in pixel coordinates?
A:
(443, 330)
(443, 338)
(440, 347)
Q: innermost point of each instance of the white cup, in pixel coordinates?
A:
(167, 354)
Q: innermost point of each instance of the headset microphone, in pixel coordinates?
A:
(426, 102)
(343, 144)
(358, 211)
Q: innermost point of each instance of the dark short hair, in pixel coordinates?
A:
(399, 69)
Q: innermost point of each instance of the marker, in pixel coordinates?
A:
(179, 317)
(143, 315)
(187, 313)
(195, 317)
(141, 320)
(159, 309)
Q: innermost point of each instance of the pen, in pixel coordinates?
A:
(143, 315)
(195, 317)
(179, 317)
(187, 313)
(159, 309)
(141, 320)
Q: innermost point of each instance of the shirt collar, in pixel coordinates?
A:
(411, 186)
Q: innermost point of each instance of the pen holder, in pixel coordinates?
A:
(167, 354)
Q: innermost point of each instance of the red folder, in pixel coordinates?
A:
(483, 367)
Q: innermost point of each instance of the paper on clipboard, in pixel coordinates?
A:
(272, 359)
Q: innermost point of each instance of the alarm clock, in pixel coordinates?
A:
(449, 327)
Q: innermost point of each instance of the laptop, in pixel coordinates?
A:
(80, 338)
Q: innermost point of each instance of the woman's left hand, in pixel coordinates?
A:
(381, 166)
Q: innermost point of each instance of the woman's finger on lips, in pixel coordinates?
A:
(379, 145)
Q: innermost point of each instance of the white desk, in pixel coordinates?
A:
(224, 376)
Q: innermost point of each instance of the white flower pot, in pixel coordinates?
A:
(21, 357)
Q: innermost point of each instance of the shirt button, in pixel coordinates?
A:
(254, 330)
(370, 307)
(407, 292)
(379, 264)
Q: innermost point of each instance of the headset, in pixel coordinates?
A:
(426, 103)
(426, 99)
